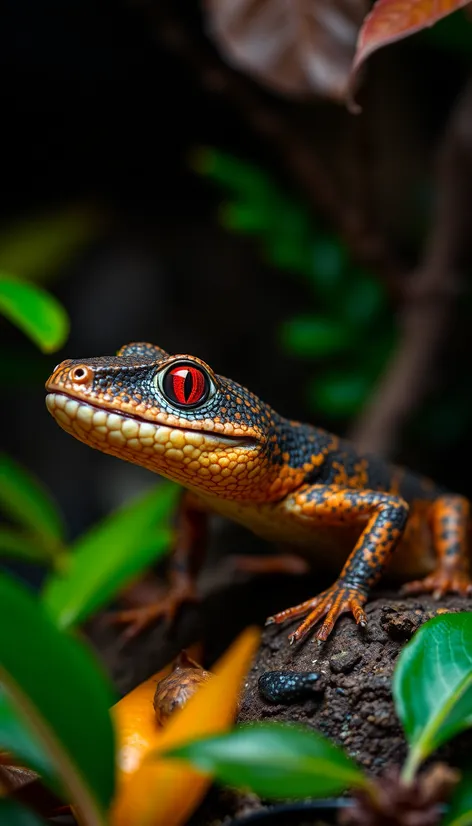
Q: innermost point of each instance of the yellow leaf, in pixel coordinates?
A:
(135, 723)
(164, 792)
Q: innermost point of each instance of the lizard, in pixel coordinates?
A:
(291, 483)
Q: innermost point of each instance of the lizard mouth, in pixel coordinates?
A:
(72, 413)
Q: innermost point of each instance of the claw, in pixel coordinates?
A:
(296, 611)
(333, 602)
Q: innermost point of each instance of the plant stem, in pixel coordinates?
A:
(410, 767)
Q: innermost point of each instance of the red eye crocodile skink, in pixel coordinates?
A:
(288, 482)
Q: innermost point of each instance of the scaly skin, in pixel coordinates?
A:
(288, 482)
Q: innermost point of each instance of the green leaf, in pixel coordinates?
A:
(286, 245)
(15, 545)
(432, 685)
(460, 809)
(16, 739)
(242, 217)
(329, 265)
(340, 395)
(362, 300)
(275, 760)
(27, 502)
(34, 311)
(61, 696)
(110, 555)
(315, 336)
(243, 179)
(13, 814)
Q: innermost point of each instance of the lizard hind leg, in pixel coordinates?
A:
(449, 521)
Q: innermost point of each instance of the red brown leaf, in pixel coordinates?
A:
(299, 47)
(392, 20)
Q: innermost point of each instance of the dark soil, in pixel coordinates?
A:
(352, 702)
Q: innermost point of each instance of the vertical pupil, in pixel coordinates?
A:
(188, 385)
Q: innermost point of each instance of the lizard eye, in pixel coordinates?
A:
(185, 385)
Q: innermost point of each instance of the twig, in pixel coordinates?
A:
(428, 305)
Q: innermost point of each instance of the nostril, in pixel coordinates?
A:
(80, 374)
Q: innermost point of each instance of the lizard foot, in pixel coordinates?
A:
(442, 581)
(333, 602)
(137, 619)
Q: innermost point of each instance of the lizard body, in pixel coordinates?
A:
(288, 482)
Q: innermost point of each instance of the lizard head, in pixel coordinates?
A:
(170, 414)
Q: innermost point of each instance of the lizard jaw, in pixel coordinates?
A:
(96, 425)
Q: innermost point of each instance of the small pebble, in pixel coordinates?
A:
(289, 686)
(344, 662)
(400, 625)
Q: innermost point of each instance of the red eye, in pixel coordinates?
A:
(186, 385)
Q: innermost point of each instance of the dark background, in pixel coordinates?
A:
(103, 105)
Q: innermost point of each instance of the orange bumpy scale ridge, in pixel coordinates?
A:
(289, 482)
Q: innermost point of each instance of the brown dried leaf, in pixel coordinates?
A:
(297, 48)
(392, 20)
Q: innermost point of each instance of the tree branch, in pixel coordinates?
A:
(428, 304)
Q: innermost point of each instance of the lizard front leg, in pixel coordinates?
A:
(384, 517)
(184, 566)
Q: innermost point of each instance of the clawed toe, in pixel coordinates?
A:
(294, 612)
(138, 619)
(337, 600)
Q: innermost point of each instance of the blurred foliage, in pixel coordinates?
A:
(460, 811)
(277, 761)
(38, 534)
(55, 718)
(111, 554)
(87, 574)
(70, 723)
(350, 333)
(15, 815)
(35, 311)
(38, 247)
